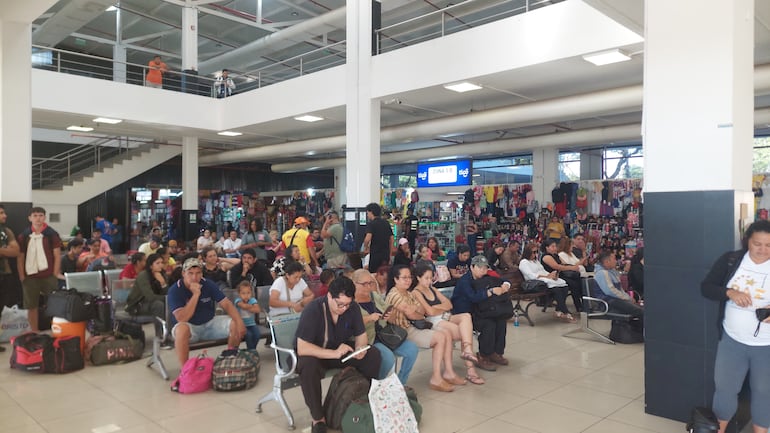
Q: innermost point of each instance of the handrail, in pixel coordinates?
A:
(256, 73)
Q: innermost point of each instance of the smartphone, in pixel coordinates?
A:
(388, 310)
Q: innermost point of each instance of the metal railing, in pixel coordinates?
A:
(451, 19)
(65, 167)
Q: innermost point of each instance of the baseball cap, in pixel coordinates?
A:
(301, 220)
(192, 263)
(478, 261)
(172, 243)
(403, 241)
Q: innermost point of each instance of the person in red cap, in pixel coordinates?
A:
(300, 236)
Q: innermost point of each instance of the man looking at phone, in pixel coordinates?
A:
(330, 328)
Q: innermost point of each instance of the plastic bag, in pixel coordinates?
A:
(12, 323)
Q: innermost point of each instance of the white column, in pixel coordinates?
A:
(362, 113)
(545, 173)
(340, 180)
(119, 50)
(189, 36)
(591, 164)
(190, 173)
(15, 112)
(698, 98)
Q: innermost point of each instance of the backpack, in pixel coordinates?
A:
(347, 385)
(67, 355)
(32, 352)
(359, 418)
(195, 375)
(348, 243)
(235, 370)
(626, 332)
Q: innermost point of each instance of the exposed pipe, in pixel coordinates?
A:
(559, 139)
(245, 55)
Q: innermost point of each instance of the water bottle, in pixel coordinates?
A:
(515, 320)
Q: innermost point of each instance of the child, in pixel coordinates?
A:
(247, 306)
(327, 275)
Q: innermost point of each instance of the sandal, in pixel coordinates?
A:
(443, 386)
(565, 317)
(467, 353)
(457, 380)
(474, 378)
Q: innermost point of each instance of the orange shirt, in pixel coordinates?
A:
(155, 74)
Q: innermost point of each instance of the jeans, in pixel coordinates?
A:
(407, 351)
(252, 337)
(734, 361)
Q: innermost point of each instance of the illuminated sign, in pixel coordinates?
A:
(455, 173)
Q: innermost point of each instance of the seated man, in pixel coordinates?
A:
(460, 263)
(608, 279)
(250, 269)
(474, 287)
(192, 302)
(329, 328)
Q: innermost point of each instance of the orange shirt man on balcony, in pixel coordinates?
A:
(155, 73)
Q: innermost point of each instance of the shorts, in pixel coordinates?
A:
(215, 329)
(420, 337)
(34, 287)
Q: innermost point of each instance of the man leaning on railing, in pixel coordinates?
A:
(224, 85)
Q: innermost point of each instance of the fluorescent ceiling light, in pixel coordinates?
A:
(80, 128)
(107, 120)
(607, 57)
(455, 193)
(308, 118)
(230, 133)
(462, 87)
(111, 8)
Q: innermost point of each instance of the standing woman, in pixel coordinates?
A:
(148, 295)
(406, 308)
(744, 346)
(437, 309)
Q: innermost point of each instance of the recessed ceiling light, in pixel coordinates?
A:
(308, 118)
(107, 120)
(111, 9)
(230, 133)
(476, 175)
(80, 128)
(465, 86)
(607, 57)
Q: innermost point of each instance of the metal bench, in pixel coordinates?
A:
(594, 308)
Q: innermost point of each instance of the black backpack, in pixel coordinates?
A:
(347, 385)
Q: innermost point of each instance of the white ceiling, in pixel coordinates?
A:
(159, 20)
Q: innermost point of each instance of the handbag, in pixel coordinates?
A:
(495, 307)
(570, 275)
(424, 324)
(71, 305)
(390, 335)
(533, 286)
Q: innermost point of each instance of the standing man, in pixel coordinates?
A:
(224, 85)
(193, 301)
(9, 248)
(332, 233)
(300, 237)
(378, 242)
(325, 331)
(39, 262)
(105, 228)
(156, 69)
(116, 244)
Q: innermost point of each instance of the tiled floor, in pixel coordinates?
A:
(553, 385)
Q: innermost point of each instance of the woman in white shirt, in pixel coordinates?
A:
(289, 293)
(568, 257)
(532, 269)
(205, 240)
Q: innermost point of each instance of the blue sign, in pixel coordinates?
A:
(454, 173)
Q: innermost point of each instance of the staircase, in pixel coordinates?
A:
(78, 187)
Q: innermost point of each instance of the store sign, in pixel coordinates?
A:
(455, 173)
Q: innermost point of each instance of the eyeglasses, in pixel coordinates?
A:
(366, 283)
(404, 277)
(341, 306)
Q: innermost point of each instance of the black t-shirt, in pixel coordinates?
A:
(311, 324)
(410, 224)
(215, 275)
(67, 264)
(461, 267)
(380, 230)
(259, 271)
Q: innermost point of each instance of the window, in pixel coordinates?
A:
(515, 169)
(623, 162)
(569, 166)
(761, 163)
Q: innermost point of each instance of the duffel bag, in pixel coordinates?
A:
(111, 349)
(130, 328)
(235, 370)
(32, 352)
(67, 355)
(71, 305)
(358, 418)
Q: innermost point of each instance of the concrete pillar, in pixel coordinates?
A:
(698, 130)
(362, 113)
(591, 164)
(118, 50)
(189, 36)
(545, 173)
(190, 187)
(340, 180)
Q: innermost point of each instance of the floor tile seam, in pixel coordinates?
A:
(614, 394)
(471, 427)
(484, 414)
(572, 408)
(635, 426)
(42, 427)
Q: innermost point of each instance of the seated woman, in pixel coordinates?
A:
(148, 295)
(291, 254)
(636, 273)
(435, 249)
(137, 265)
(204, 240)
(425, 256)
(568, 257)
(437, 310)
(403, 253)
(406, 308)
(532, 269)
(569, 273)
(289, 293)
(214, 267)
(382, 279)
(493, 256)
(372, 305)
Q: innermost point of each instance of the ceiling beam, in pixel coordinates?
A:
(148, 36)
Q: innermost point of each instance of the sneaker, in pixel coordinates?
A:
(484, 363)
(498, 359)
(318, 427)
